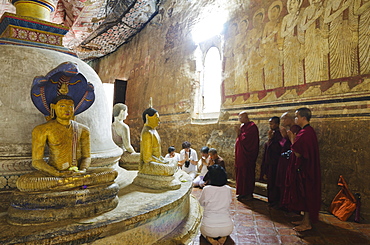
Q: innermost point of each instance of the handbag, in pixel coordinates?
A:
(344, 203)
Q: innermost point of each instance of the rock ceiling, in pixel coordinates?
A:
(98, 27)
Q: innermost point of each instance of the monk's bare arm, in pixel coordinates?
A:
(39, 138)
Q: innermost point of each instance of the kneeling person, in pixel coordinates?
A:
(216, 199)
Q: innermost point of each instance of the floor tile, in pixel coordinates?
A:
(256, 223)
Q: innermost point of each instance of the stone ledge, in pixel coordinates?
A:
(143, 215)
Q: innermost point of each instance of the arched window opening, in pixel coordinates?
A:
(211, 89)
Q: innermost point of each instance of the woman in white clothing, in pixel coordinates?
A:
(203, 164)
(216, 199)
(172, 153)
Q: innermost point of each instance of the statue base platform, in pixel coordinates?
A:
(129, 166)
(159, 181)
(30, 208)
(142, 216)
(130, 161)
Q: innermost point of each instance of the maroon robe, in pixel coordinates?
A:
(284, 162)
(246, 153)
(269, 165)
(303, 183)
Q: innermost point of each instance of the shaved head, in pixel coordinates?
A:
(287, 119)
(243, 117)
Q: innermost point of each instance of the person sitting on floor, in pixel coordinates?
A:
(188, 159)
(216, 159)
(172, 153)
(203, 164)
(216, 199)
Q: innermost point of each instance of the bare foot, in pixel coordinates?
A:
(222, 240)
(297, 222)
(212, 240)
(302, 228)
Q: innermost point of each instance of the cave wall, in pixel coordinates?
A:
(275, 59)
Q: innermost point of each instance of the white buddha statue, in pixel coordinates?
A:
(121, 136)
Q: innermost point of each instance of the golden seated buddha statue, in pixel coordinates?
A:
(52, 192)
(151, 161)
(154, 171)
(69, 149)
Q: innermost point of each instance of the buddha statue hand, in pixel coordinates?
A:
(76, 170)
(70, 173)
(161, 160)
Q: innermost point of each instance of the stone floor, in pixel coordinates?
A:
(256, 223)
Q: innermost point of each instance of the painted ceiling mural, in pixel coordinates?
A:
(98, 27)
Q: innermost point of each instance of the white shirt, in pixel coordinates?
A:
(216, 201)
(176, 157)
(193, 157)
(204, 169)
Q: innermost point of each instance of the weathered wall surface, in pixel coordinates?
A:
(275, 58)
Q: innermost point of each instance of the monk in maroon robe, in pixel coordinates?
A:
(246, 152)
(303, 182)
(270, 161)
(287, 123)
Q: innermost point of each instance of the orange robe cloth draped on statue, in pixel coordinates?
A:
(246, 152)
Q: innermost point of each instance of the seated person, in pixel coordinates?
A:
(172, 153)
(216, 159)
(121, 134)
(188, 159)
(203, 164)
(151, 161)
(69, 153)
(216, 199)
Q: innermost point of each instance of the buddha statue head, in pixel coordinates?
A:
(151, 117)
(64, 80)
(120, 111)
(62, 108)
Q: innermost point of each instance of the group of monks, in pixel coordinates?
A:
(290, 162)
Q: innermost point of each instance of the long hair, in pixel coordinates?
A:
(216, 175)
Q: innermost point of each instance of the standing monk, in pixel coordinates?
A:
(287, 123)
(246, 152)
(304, 178)
(270, 161)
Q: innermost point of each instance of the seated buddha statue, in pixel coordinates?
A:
(151, 161)
(63, 186)
(69, 153)
(121, 136)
